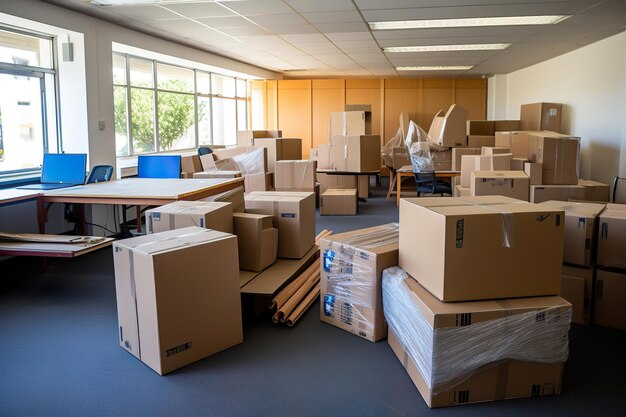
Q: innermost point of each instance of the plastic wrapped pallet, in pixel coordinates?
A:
(455, 348)
(352, 265)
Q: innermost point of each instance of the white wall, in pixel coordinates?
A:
(591, 83)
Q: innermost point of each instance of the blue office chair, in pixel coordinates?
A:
(100, 173)
(204, 150)
(427, 183)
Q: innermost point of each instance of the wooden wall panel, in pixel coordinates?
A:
(437, 94)
(294, 111)
(401, 96)
(272, 105)
(262, 111)
(367, 91)
(327, 96)
(471, 93)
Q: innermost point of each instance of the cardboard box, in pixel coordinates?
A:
(246, 137)
(478, 141)
(581, 231)
(258, 182)
(458, 353)
(350, 279)
(507, 125)
(541, 193)
(494, 150)
(612, 236)
(449, 129)
(172, 312)
(460, 248)
(480, 127)
(517, 164)
(279, 149)
(179, 214)
(234, 196)
(534, 171)
(189, 165)
(460, 191)
(350, 123)
(516, 141)
(356, 153)
(339, 182)
(469, 163)
(610, 299)
(363, 186)
(577, 287)
(514, 184)
(294, 217)
(596, 191)
(442, 160)
(294, 176)
(325, 156)
(559, 155)
(541, 116)
(400, 157)
(338, 202)
(257, 240)
(357, 107)
(217, 174)
(457, 153)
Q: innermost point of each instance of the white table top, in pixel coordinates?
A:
(10, 195)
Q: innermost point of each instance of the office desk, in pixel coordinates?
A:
(137, 192)
(407, 171)
(51, 250)
(13, 195)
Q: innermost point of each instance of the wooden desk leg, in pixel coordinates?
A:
(398, 188)
(83, 221)
(392, 182)
(138, 219)
(41, 215)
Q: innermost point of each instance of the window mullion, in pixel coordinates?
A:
(131, 149)
(195, 108)
(157, 147)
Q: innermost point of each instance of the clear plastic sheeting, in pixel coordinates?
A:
(447, 356)
(251, 162)
(387, 149)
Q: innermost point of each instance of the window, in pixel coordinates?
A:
(27, 103)
(161, 107)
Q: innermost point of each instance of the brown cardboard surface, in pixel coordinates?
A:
(357, 107)
(179, 214)
(457, 153)
(572, 279)
(541, 116)
(595, 191)
(234, 196)
(517, 141)
(294, 175)
(460, 191)
(272, 279)
(580, 236)
(559, 155)
(364, 254)
(478, 141)
(294, 217)
(257, 240)
(350, 123)
(469, 163)
(246, 276)
(190, 164)
(541, 193)
(480, 127)
(340, 182)
(449, 129)
(279, 149)
(514, 184)
(534, 171)
(217, 174)
(457, 247)
(172, 313)
(494, 150)
(612, 236)
(610, 299)
(258, 182)
(325, 156)
(507, 125)
(356, 153)
(338, 202)
(400, 157)
(246, 137)
(517, 164)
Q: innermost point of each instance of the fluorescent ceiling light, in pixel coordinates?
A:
(436, 68)
(440, 48)
(468, 22)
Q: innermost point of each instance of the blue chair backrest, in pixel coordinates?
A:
(100, 173)
(158, 166)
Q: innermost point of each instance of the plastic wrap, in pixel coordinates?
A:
(387, 149)
(350, 275)
(421, 159)
(251, 162)
(447, 356)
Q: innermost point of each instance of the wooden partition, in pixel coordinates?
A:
(301, 108)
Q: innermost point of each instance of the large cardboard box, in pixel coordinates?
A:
(350, 123)
(460, 191)
(356, 153)
(469, 163)
(541, 193)
(279, 149)
(246, 137)
(325, 156)
(217, 174)
(596, 191)
(189, 165)
(172, 312)
(357, 107)
(478, 141)
(234, 196)
(449, 129)
(339, 182)
(609, 307)
(294, 217)
(534, 171)
(258, 182)
(179, 214)
(480, 127)
(459, 353)
(517, 141)
(541, 116)
(477, 248)
(400, 157)
(577, 288)
(294, 175)
(507, 125)
(257, 240)
(338, 202)
(494, 150)
(517, 164)
(581, 231)
(559, 155)
(514, 184)
(350, 279)
(612, 236)
(457, 153)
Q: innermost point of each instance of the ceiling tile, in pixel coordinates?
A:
(283, 19)
(350, 36)
(357, 44)
(292, 29)
(312, 37)
(334, 17)
(233, 21)
(306, 6)
(199, 9)
(251, 30)
(341, 27)
(144, 12)
(255, 7)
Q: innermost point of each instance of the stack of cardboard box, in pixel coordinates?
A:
(470, 315)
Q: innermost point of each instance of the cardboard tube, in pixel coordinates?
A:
(276, 317)
(297, 297)
(322, 235)
(282, 297)
(304, 305)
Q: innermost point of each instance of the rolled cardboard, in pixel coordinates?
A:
(284, 295)
(297, 297)
(304, 305)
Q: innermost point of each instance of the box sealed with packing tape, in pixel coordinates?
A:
(350, 274)
(294, 175)
(612, 237)
(178, 297)
(179, 214)
(468, 352)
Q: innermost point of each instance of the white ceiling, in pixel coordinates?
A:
(331, 38)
